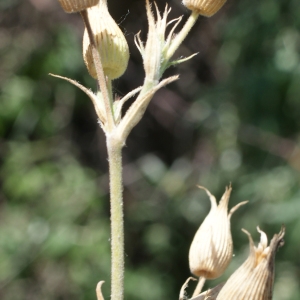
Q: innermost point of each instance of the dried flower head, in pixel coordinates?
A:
(72, 6)
(110, 42)
(255, 277)
(211, 249)
(153, 51)
(159, 48)
(205, 8)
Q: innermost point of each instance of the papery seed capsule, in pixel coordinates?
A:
(211, 249)
(110, 43)
(72, 6)
(254, 278)
(205, 8)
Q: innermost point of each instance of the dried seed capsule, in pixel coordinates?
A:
(205, 8)
(72, 6)
(110, 42)
(211, 249)
(255, 277)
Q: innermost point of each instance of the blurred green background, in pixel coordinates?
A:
(234, 116)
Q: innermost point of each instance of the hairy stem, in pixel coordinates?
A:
(114, 148)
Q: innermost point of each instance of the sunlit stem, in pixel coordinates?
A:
(100, 74)
(182, 34)
(114, 148)
(199, 286)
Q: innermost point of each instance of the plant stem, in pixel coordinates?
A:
(182, 34)
(100, 73)
(199, 286)
(114, 148)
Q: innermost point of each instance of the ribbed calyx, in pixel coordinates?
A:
(205, 8)
(211, 249)
(255, 277)
(110, 42)
(72, 6)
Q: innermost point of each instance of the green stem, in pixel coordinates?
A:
(182, 34)
(110, 95)
(114, 148)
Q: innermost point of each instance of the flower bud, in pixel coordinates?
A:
(71, 6)
(110, 42)
(205, 8)
(211, 249)
(255, 277)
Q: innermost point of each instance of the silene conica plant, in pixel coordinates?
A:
(106, 55)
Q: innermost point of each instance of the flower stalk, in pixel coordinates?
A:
(100, 74)
(199, 286)
(182, 34)
(114, 149)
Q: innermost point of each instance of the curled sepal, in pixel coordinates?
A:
(118, 104)
(184, 286)
(97, 101)
(210, 294)
(211, 249)
(180, 60)
(254, 279)
(98, 291)
(72, 6)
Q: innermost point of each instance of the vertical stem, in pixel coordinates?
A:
(100, 73)
(114, 148)
(110, 95)
(199, 286)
